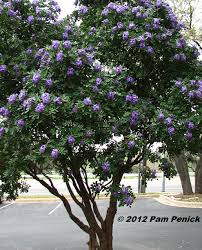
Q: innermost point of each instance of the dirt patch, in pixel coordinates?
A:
(189, 198)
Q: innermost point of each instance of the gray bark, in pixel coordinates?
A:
(198, 176)
(182, 168)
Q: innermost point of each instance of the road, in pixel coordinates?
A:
(46, 226)
(173, 185)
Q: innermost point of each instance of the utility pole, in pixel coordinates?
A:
(163, 183)
(139, 178)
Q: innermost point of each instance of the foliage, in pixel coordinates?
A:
(168, 168)
(25, 26)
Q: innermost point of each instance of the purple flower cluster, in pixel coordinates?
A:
(161, 117)
(178, 83)
(132, 42)
(82, 52)
(40, 108)
(159, 3)
(105, 21)
(12, 98)
(88, 133)
(105, 167)
(193, 90)
(45, 97)
(71, 140)
(28, 103)
(132, 98)
(4, 112)
(59, 56)
(181, 43)
(82, 10)
(96, 107)
(55, 153)
(98, 67)
(188, 135)
(128, 200)
(125, 35)
(131, 144)
(120, 25)
(70, 71)
(118, 8)
(156, 23)
(168, 122)
(55, 44)
(58, 101)
(131, 26)
(150, 50)
(42, 149)
(124, 190)
(130, 79)
(2, 131)
(111, 96)
(183, 89)
(20, 123)
(79, 63)
(190, 126)
(67, 45)
(95, 89)
(87, 101)
(98, 81)
(171, 131)
(3, 68)
(119, 70)
(36, 78)
(180, 57)
(134, 118)
(30, 19)
(49, 82)
(153, 174)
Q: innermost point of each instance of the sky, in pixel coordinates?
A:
(67, 7)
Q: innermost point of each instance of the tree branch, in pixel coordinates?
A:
(55, 192)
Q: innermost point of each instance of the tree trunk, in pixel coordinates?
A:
(93, 244)
(182, 168)
(198, 176)
(106, 243)
(143, 180)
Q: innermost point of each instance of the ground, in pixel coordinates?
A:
(190, 198)
(173, 185)
(46, 226)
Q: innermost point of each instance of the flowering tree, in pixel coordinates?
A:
(24, 27)
(93, 97)
(155, 52)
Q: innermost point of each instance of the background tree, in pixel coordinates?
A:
(189, 12)
(188, 94)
